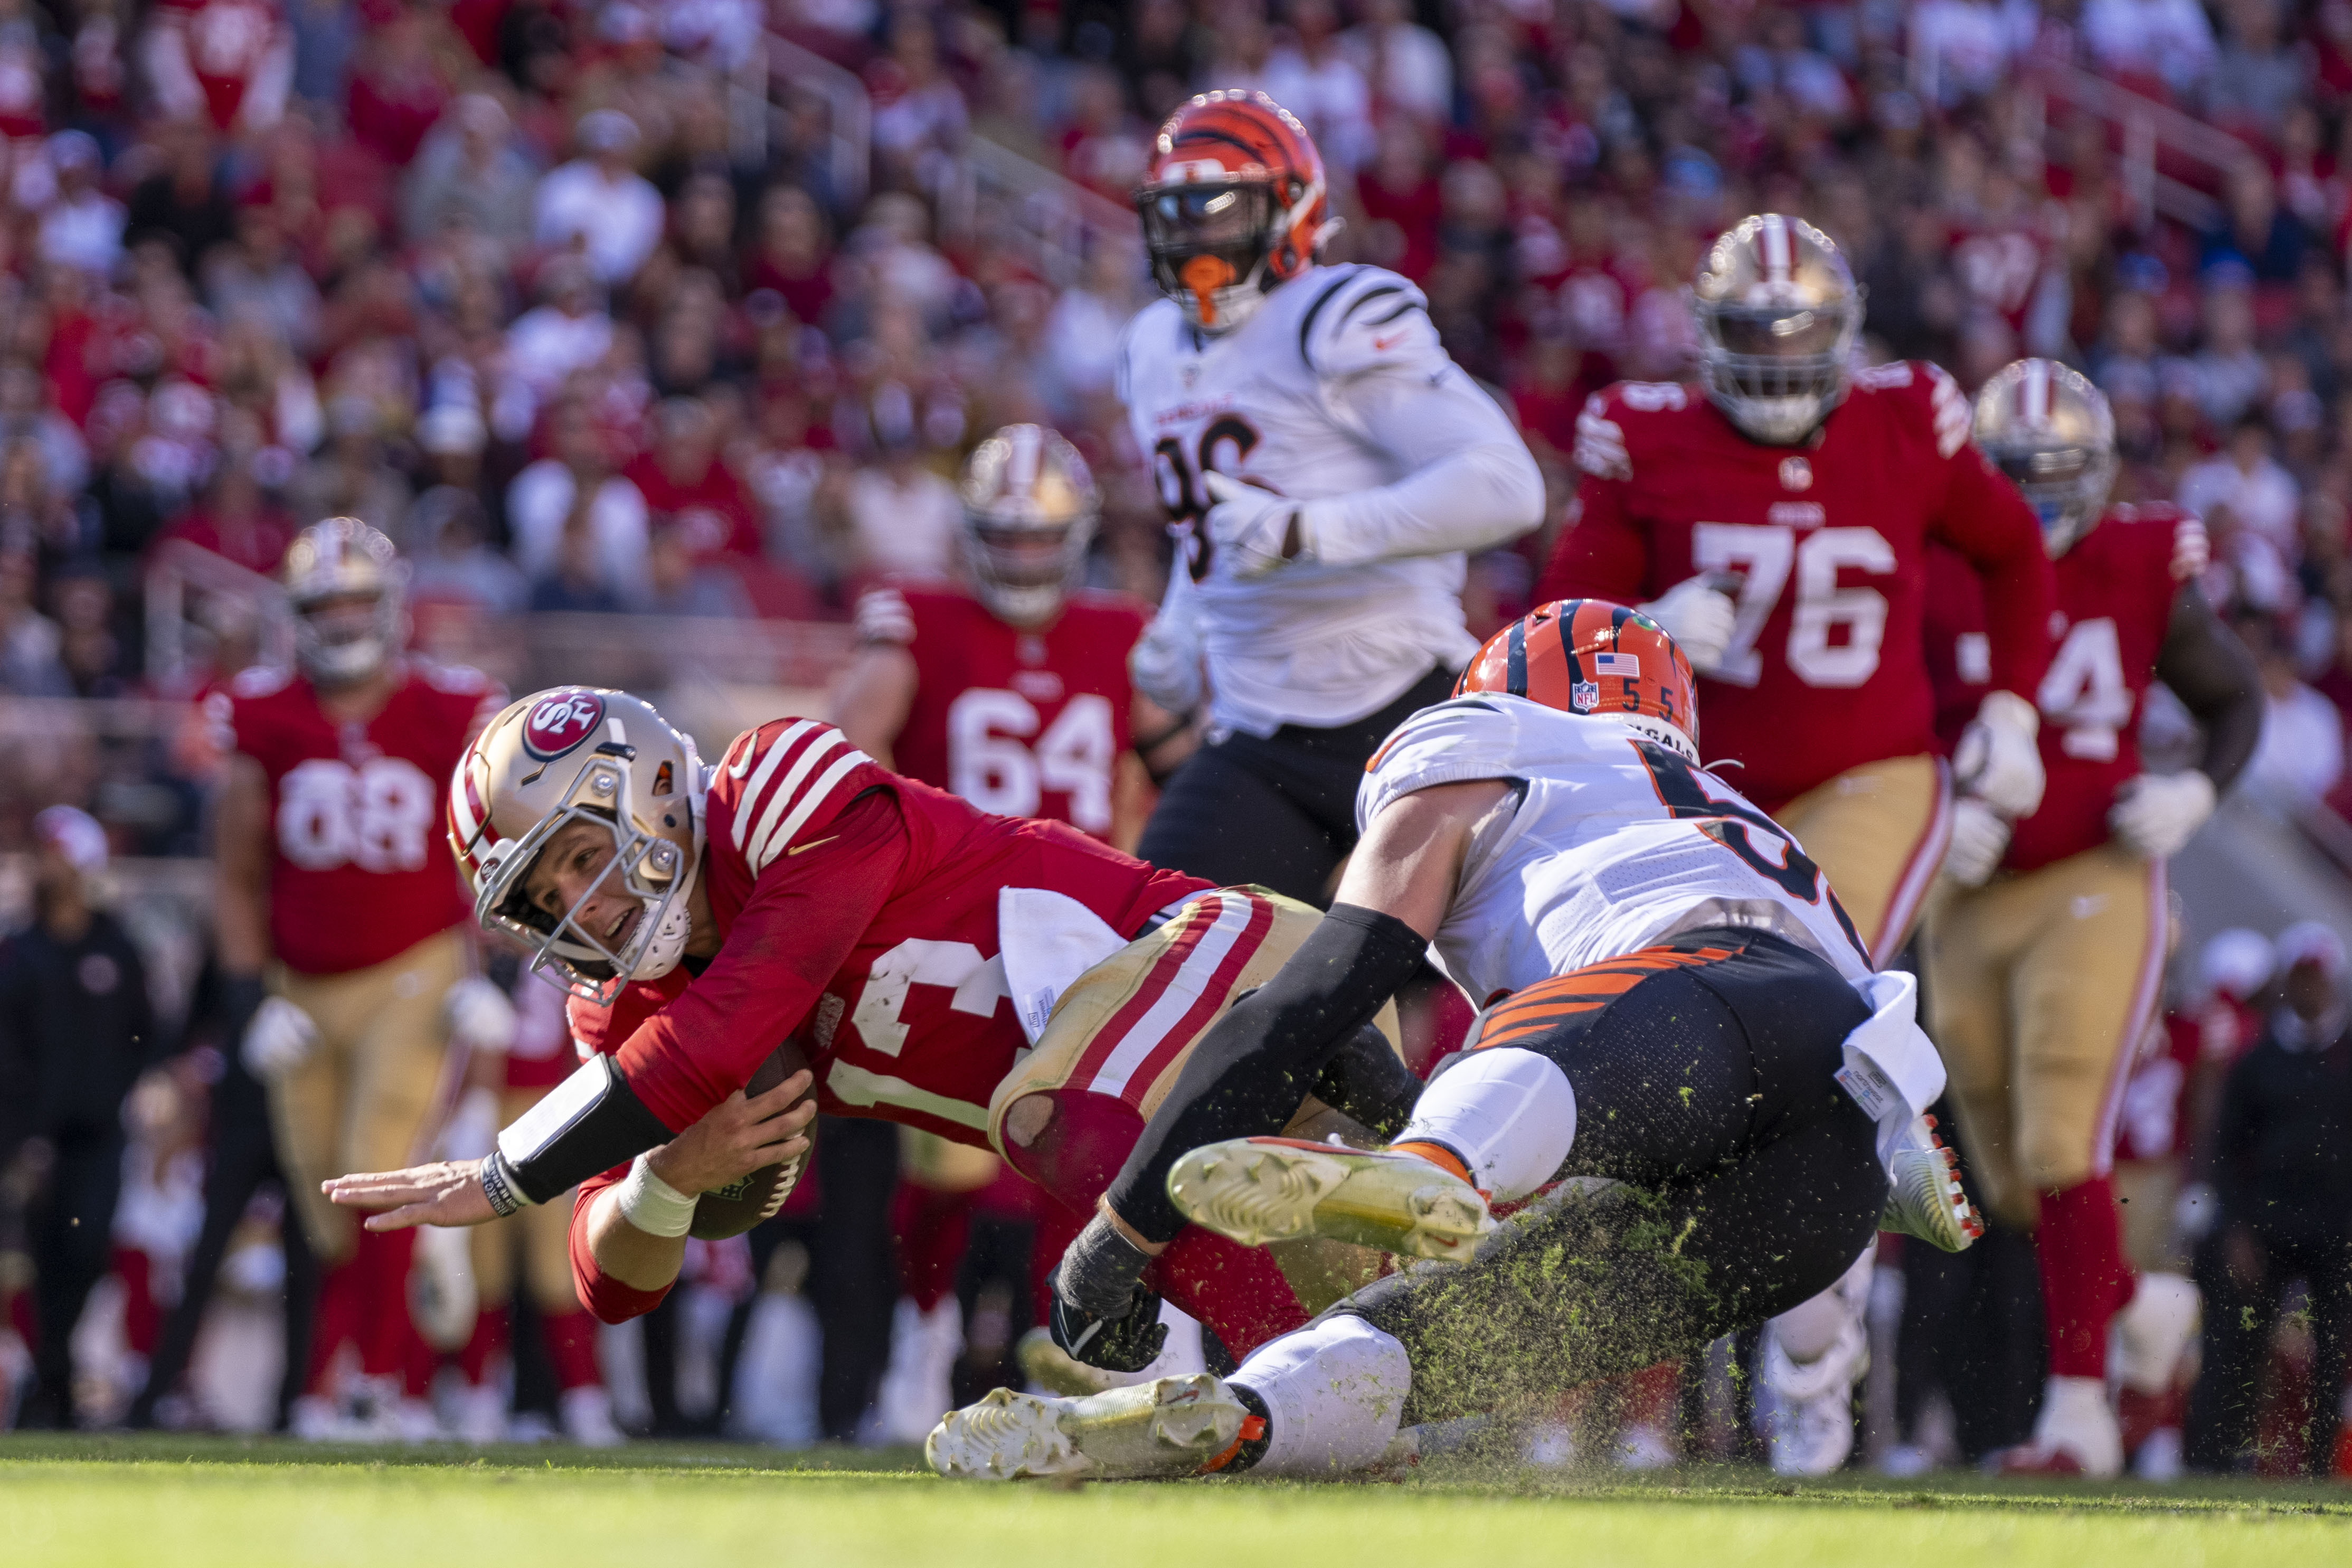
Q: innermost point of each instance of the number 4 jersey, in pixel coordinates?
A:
(1827, 543)
(1021, 724)
(1607, 843)
(2116, 589)
(360, 870)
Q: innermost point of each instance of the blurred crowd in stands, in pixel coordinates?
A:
(689, 307)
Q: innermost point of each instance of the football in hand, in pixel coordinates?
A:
(737, 1206)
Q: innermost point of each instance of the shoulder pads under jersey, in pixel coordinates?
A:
(1365, 318)
(1926, 394)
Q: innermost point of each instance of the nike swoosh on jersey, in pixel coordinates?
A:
(812, 844)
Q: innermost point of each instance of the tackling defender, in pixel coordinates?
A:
(1676, 1006)
(2045, 949)
(1324, 465)
(328, 807)
(1007, 983)
(1777, 517)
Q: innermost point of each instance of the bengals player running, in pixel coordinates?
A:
(328, 807)
(1015, 696)
(1006, 984)
(2045, 945)
(1775, 519)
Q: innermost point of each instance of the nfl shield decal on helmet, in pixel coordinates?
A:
(561, 721)
(1584, 696)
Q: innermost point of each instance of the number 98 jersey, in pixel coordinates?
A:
(1020, 723)
(2116, 589)
(1826, 545)
(360, 870)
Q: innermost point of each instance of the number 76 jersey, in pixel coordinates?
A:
(1824, 547)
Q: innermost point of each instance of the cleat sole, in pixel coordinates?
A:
(1261, 1192)
(1169, 1427)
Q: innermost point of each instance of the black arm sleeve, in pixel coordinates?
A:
(1367, 1080)
(1257, 1064)
(2213, 675)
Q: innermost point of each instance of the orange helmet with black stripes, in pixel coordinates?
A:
(1588, 655)
(1235, 203)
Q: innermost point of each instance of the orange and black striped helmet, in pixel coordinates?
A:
(1588, 655)
(1235, 203)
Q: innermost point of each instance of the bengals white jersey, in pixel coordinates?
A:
(1336, 386)
(1609, 842)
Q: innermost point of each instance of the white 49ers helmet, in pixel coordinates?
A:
(2047, 427)
(578, 754)
(344, 581)
(1778, 313)
(1029, 509)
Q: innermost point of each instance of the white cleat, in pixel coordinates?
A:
(1926, 1199)
(1171, 1426)
(2152, 1334)
(1257, 1190)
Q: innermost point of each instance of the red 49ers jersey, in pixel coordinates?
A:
(1829, 543)
(1021, 724)
(859, 915)
(360, 870)
(2116, 589)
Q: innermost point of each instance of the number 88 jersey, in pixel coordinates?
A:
(360, 869)
(1826, 542)
(2116, 591)
(1019, 722)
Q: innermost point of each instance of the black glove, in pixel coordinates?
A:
(1102, 1312)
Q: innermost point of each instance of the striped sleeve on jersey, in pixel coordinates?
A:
(1367, 318)
(784, 776)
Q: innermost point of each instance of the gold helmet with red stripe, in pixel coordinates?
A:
(576, 754)
(2047, 427)
(1234, 203)
(343, 580)
(1778, 312)
(1029, 510)
(1590, 656)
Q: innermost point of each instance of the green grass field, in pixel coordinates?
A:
(204, 1501)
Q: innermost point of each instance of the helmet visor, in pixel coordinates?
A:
(1190, 220)
(1780, 334)
(1031, 557)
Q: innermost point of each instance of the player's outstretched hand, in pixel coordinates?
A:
(739, 1136)
(447, 1191)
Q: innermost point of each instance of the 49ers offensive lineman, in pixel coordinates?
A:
(1007, 983)
(1678, 1007)
(340, 923)
(2046, 945)
(1324, 465)
(1775, 519)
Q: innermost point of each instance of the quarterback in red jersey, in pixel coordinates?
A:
(1776, 517)
(2045, 942)
(329, 807)
(1012, 985)
(1015, 695)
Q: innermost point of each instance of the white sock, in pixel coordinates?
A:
(1334, 1391)
(1509, 1113)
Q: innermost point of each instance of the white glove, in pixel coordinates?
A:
(2156, 813)
(1699, 616)
(1165, 662)
(280, 1037)
(1254, 526)
(1979, 838)
(479, 1016)
(1997, 758)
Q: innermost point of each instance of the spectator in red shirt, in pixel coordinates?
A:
(689, 491)
(795, 257)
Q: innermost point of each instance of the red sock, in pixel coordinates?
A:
(339, 1289)
(571, 1346)
(140, 1319)
(492, 1328)
(2084, 1280)
(385, 1334)
(930, 1227)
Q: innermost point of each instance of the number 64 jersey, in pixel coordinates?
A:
(360, 870)
(1827, 543)
(1609, 842)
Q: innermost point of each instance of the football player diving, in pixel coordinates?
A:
(1678, 1013)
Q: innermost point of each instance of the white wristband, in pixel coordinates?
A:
(652, 1204)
